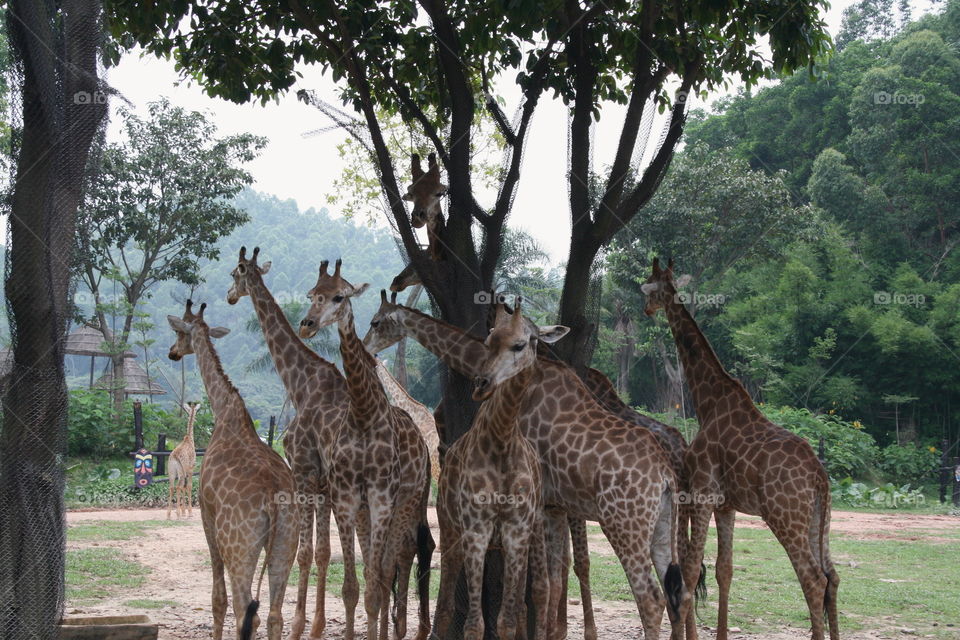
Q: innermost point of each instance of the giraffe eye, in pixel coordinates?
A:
(338, 299)
(374, 324)
(518, 347)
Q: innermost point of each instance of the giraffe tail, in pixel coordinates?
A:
(833, 580)
(246, 629)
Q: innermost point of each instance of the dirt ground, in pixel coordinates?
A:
(184, 577)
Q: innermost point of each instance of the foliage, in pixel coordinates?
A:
(847, 493)
(849, 450)
(93, 430)
(909, 464)
(120, 492)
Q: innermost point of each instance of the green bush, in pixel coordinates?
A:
(848, 493)
(93, 431)
(91, 427)
(909, 464)
(120, 492)
(849, 450)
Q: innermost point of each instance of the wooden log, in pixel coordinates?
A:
(134, 627)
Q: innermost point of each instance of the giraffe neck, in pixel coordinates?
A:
(502, 409)
(457, 349)
(368, 401)
(709, 382)
(400, 396)
(290, 355)
(224, 397)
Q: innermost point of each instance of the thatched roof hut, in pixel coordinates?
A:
(134, 381)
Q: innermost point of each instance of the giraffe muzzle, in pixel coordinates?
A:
(481, 388)
(308, 328)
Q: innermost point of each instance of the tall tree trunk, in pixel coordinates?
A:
(57, 45)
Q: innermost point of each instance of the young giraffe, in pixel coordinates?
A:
(491, 489)
(740, 461)
(319, 394)
(183, 458)
(379, 476)
(421, 416)
(242, 484)
(595, 467)
(424, 193)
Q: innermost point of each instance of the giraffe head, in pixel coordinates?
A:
(184, 328)
(329, 300)
(242, 273)
(425, 192)
(511, 347)
(660, 287)
(385, 327)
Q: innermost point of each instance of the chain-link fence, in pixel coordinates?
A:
(58, 106)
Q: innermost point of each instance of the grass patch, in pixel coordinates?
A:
(150, 604)
(100, 530)
(894, 584)
(93, 574)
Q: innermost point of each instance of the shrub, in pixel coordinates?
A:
(909, 464)
(91, 427)
(849, 450)
(120, 492)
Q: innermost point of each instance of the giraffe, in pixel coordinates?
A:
(740, 461)
(183, 458)
(595, 467)
(491, 488)
(379, 476)
(424, 194)
(245, 491)
(319, 394)
(421, 416)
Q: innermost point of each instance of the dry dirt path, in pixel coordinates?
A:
(181, 574)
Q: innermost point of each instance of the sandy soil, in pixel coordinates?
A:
(183, 576)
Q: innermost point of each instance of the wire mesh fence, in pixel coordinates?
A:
(57, 103)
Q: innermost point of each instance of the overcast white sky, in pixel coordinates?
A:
(305, 167)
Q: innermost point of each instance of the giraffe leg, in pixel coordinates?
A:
(242, 570)
(351, 587)
(219, 595)
(632, 546)
(581, 567)
(515, 543)
(665, 553)
(692, 564)
(794, 535)
(376, 574)
(322, 559)
(402, 549)
(556, 529)
(305, 485)
(725, 520)
(190, 493)
(283, 550)
(451, 562)
(475, 544)
(538, 571)
(171, 487)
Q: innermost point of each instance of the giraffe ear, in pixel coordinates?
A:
(552, 333)
(265, 267)
(649, 287)
(357, 291)
(218, 332)
(683, 280)
(178, 324)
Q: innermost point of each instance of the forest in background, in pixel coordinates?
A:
(818, 218)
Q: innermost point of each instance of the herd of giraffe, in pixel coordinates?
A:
(547, 451)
